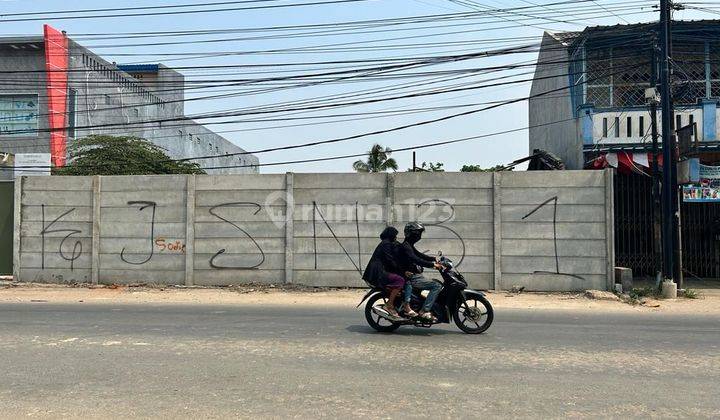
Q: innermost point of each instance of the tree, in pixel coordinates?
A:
(121, 155)
(378, 160)
(477, 168)
(433, 167)
(429, 167)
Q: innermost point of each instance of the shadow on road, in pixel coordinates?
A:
(406, 331)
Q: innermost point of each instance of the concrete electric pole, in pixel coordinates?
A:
(669, 194)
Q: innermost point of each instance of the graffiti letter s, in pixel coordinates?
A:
(222, 251)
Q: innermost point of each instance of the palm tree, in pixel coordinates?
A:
(378, 161)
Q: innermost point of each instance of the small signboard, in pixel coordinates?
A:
(707, 190)
(32, 164)
(688, 171)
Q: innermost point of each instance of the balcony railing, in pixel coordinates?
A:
(632, 127)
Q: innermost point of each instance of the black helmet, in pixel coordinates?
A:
(414, 231)
(414, 227)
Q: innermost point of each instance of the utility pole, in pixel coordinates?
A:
(414, 163)
(669, 195)
(653, 100)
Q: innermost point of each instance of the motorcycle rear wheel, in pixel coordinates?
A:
(377, 322)
(476, 317)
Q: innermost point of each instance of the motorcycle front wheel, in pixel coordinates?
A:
(474, 314)
(377, 322)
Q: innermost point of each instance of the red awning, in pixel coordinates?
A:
(625, 162)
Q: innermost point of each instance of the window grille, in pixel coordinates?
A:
(689, 77)
(599, 83)
(617, 77)
(714, 66)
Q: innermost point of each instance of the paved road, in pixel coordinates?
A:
(82, 360)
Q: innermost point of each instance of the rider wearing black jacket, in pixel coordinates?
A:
(384, 259)
(411, 261)
(384, 271)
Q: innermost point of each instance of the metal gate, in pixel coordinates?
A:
(6, 226)
(637, 239)
(701, 237)
(634, 227)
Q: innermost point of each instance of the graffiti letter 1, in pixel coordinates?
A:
(554, 200)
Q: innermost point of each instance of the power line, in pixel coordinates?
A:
(282, 110)
(304, 108)
(603, 7)
(390, 130)
(375, 114)
(334, 26)
(364, 73)
(123, 9)
(320, 48)
(373, 133)
(174, 13)
(31, 168)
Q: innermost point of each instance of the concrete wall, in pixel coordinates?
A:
(552, 127)
(542, 230)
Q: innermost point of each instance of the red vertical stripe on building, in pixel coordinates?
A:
(56, 66)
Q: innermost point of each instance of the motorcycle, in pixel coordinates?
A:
(469, 309)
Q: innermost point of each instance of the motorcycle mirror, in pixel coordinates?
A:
(440, 253)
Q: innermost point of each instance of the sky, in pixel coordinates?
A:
(439, 38)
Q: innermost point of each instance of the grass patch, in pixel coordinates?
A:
(691, 294)
(641, 292)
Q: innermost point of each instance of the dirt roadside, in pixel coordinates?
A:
(708, 303)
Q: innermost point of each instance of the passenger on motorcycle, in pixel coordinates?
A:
(411, 263)
(383, 271)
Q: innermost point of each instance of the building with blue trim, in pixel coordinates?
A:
(588, 96)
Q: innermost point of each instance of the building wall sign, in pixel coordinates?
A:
(56, 64)
(27, 164)
(708, 190)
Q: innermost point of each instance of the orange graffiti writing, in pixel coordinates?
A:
(170, 246)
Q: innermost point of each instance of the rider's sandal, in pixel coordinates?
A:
(410, 313)
(393, 314)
